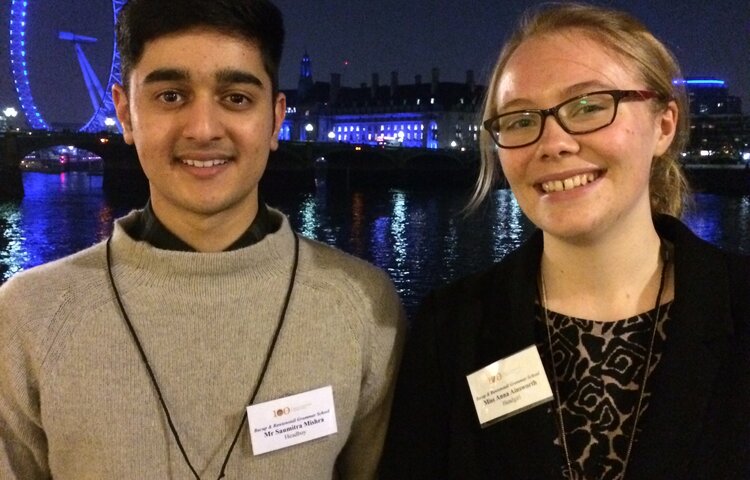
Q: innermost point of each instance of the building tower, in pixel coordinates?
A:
(305, 84)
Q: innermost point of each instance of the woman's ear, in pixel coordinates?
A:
(666, 128)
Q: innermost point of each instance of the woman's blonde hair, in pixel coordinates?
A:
(626, 36)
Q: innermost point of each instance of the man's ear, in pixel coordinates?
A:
(122, 108)
(279, 113)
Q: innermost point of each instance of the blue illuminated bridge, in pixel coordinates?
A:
(295, 163)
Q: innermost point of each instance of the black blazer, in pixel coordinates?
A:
(697, 425)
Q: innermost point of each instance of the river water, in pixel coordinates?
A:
(418, 236)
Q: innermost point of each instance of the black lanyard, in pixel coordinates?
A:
(269, 354)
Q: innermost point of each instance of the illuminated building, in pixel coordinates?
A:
(710, 96)
(430, 114)
(718, 129)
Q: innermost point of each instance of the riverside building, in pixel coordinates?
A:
(719, 132)
(422, 114)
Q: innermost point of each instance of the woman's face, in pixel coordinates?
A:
(581, 186)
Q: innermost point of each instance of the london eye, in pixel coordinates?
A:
(103, 106)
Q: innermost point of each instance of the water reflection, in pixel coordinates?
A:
(13, 256)
(721, 220)
(398, 233)
(359, 231)
(419, 237)
(309, 224)
(509, 225)
(60, 214)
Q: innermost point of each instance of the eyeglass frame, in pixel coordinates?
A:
(618, 96)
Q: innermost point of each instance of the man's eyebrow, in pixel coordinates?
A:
(167, 75)
(230, 76)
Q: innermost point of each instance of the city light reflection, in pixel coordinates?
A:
(510, 227)
(358, 231)
(721, 222)
(398, 231)
(419, 237)
(309, 223)
(13, 255)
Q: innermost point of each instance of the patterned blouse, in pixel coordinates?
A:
(599, 367)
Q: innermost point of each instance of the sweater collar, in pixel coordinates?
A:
(148, 228)
(139, 263)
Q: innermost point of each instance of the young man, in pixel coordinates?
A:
(138, 357)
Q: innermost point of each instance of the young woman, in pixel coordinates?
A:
(641, 328)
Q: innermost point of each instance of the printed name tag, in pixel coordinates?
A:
(509, 386)
(292, 420)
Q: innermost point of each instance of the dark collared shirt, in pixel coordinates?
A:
(150, 229)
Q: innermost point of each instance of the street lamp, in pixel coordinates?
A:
(8, 113)
(110, 123)
(309, 129)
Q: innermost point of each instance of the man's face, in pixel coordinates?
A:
(201, 113)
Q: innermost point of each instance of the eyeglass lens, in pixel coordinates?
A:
(579, 115)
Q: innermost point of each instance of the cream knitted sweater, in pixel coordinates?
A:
(76, 402)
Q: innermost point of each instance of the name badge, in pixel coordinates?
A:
(291, 420)
(509, 386)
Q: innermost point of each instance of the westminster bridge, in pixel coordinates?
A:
(294, 163)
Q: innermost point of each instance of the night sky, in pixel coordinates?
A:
(359, 37)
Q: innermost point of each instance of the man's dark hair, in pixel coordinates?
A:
(258, 21)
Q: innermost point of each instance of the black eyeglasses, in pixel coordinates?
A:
(582, 114)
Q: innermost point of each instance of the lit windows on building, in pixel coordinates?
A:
(417, 115)
(396, 133)
(285, 133)
(717, 123)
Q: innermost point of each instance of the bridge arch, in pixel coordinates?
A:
(105, 146)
